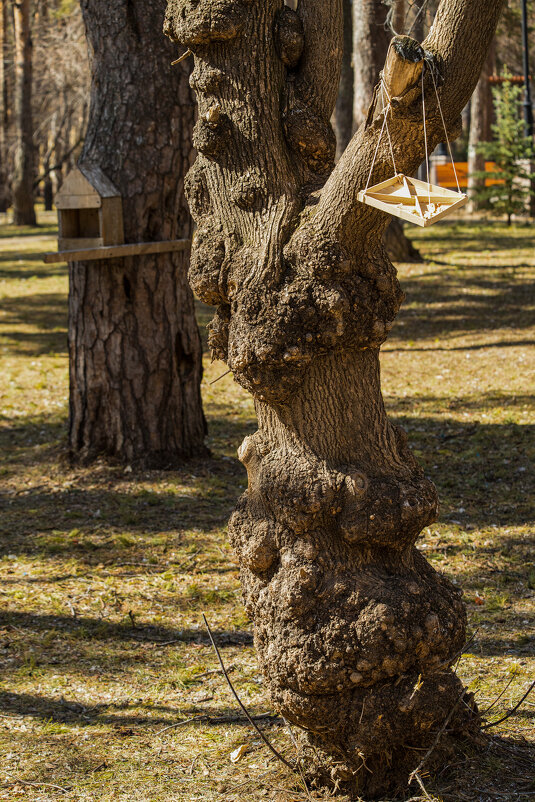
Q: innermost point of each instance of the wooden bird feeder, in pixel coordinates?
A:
(90, 211)
(416, 201)
(412, 200)
(90, 221)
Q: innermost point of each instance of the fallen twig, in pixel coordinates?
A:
(246, 712)
(498, 697)
(297, 761)
(38, 785)
(513, 710)
(219, 720)
(416, 773)
(220, 377)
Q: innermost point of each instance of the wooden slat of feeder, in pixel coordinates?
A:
(117, 251)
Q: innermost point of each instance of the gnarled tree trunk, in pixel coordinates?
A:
(356, 633)
(135, 350)
(24, 161)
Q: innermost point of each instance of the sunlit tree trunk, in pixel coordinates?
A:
(24, 162)
(480, 127)
(370, 43)
(398, 17)
(355, 631)
(344, 102)
(4, 188)
(135, 349)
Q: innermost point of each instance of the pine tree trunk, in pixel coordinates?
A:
(4, 188)
(480, 128)
(135, 350)
(356, 633)
(344, 102)
(24, 162)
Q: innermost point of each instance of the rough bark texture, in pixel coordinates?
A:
(135, 351)
(4, 189)
(24, 161)
(480, 127)
(356, 633)
(370, 43)
(344, 103)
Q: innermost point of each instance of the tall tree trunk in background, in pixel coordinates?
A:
(355, 631)
(370, 45)
(417, 23)
(398, 18)
(480, 127)
(135, 349)
(24, 166)
(4, 188)
(344, 102)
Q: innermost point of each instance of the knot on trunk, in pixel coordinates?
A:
(311, 137)
(200, 22)
(289, 36)
(357, 503)
(321, 300)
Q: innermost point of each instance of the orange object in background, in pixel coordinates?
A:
(446, 176)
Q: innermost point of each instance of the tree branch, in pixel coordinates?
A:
(459, 41)
(461, 36)
(59, 163)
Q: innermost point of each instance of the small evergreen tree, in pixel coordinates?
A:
(511, 151)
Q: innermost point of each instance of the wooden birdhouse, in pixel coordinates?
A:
(90, 211)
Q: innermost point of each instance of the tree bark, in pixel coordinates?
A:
(24, 162)
(4, 188)
(356, 633)
(370, 43)
(344, 102)
(398, 17)
(480, 128)
(135, 350)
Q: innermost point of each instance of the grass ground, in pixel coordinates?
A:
(105, 573)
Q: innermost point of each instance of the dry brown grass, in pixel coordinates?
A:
(106, 572)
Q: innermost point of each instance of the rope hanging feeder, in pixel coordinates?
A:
(416, 201)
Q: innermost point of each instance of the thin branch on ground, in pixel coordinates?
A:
(416, 773)
(512, 711)
(246, 712)
(17, 780)
(219, 720)
(495, 702)
(292, 737)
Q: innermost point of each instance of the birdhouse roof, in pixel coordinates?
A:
(85, 182)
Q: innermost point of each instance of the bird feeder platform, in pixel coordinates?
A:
(413, 200)
(117, 251)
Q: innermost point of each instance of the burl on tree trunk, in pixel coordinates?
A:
(356, 633)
